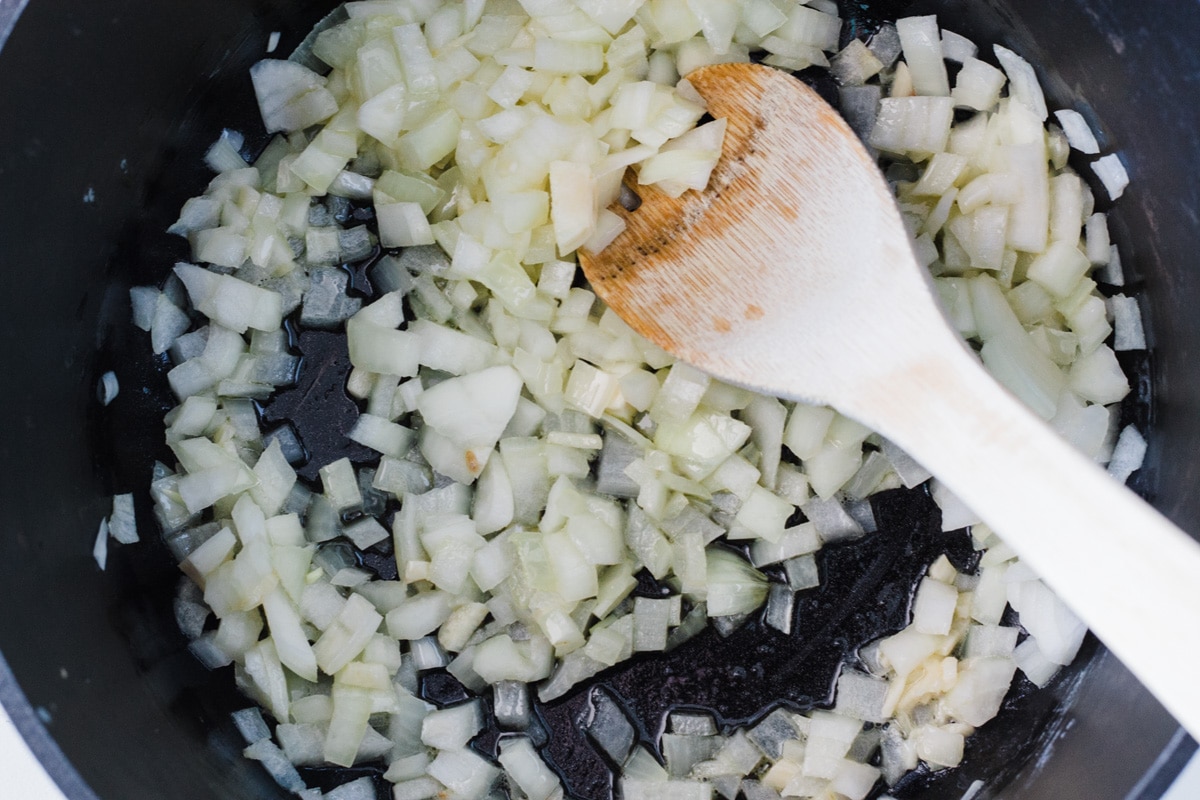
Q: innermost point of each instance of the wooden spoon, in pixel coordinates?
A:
(792, 274)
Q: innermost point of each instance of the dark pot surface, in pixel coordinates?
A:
(107, 106)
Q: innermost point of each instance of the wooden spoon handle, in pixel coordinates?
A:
(1130, 574)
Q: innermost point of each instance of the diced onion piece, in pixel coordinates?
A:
(978, 85)
(382, 350)
(523, 766)
(382, 435)
(403, 225)
(122, 525)
(1127, 323)
(860, 696)
(955, 514)
(913, 124)
(957, 47)
(349, 633)
(1029, 220)
(940, 746)
(933, 607)
(290, 96)
(100, 548)
(1058, 631)
(276, 764)
(347, 725)
(551, 55)
(1030, 660)
(451, 728)
(1059, 268)
(341, 485)
(107, 388)
(425, 146)
(734, 587)
(1079, 133)
(763, 515)
(854, 65)
(908, 649)
(473, 409)
(639, 789)
(290, 640)
(854, 780)
(1023, 82)
(608, 227)
(991, 640)
(223, 155)
(921, 39)
(1098, 244)
(268, 680)
(1098, 377)
(464, 773)
(419, 615)
(831, 521)
(1128, 454)
(572, 204)
(233, 303)
(1112, 174)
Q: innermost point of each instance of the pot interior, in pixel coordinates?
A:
(104, 133)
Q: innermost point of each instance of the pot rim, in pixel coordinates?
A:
(9, 11)
(31, 728)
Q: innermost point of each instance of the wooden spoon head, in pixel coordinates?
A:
(769, 264)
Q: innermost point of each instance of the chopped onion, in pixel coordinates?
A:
(107, 388)
(1078, 132)
(933, 607)
(781, 603)
(250, 724)
(1128, 454)
(860, 696)
(361, 789)
(224, 155)
(1023, 81)
(1127, 323)
(451, 728)
(956, 47)
(1030, 660)
(854, 65)
(830, 520)
(1112, 174)
(122, 525)
(980, 689)
(1058, 631)
(100, 548)
(525, 768)
(486, 372)
(734, 587)
(276, 764)
(922, 45)
(955, 514)
(464, 772)
(290, 96)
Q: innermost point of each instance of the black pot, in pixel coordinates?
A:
(105, 109)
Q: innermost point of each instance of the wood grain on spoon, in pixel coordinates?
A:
(634, 275)
(708, 264)
(793, 274)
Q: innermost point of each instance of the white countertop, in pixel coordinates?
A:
(1187, 787)
(25, 778)
(23, 774)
